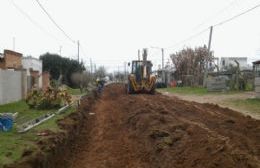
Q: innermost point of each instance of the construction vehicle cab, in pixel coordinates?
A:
(141, 79)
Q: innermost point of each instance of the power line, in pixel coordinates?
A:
(236, 16)
(189, 38)
(31, 20)
(218, 24)
(53, 21)
(217, 14)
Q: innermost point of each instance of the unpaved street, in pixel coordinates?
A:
(156, 131)
(221, 99)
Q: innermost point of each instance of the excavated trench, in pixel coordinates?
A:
(151, 131)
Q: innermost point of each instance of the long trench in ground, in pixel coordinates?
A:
(157, 131)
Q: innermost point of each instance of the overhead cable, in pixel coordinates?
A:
(31, 20)
(54, 22)
(236, 16)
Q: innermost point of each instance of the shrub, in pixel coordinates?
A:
(51, 98)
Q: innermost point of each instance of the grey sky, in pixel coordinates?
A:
(110, 32)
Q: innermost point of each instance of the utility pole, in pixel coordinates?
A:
(138, 55)
(13, 43)
(207, 64)
(162, 58)
(118, 73)
(163, 70)
(78, 51)
(60, 50)
(125, 70)
(91, 66)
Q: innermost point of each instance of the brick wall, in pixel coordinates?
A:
(2, 64)
(45, 80)
(35, 78)
(12, 59)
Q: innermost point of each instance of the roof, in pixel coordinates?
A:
(12, 52)
(256, 62)
(31, 58)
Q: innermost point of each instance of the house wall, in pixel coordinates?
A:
(34, 64)
(257, 79)
(45, 80)
(257, 87)
(12, 86)
(2, 64)
(13, 60)
(257, 70)
(34, 77)
(226, 61)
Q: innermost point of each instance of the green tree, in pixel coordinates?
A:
(57, 66)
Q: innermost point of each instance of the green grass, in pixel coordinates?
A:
(194, 91)
(24, 112)
(74, 91)
(185, 90)
(252, 105)
(13, 144)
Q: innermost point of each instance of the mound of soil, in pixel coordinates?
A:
(153, 131)
(148, 131)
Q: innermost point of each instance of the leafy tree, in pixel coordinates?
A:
(57, 66)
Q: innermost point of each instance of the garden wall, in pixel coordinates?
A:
(13, 85)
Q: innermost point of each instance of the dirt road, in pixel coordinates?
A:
(222, 100)
(156, 131)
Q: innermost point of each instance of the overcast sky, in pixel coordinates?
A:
(111, 32)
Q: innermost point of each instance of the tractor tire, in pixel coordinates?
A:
(130, 90)
(152, 91)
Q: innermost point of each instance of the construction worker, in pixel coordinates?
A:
(100, 85)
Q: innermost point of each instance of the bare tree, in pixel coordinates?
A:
(120, 76)
(100, 72)
(190, 64)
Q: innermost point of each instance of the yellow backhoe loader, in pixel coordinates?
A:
(141, 80)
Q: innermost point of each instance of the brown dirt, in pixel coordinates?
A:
(156, 131)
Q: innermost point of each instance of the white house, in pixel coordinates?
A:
(226, 61)
(33, 68)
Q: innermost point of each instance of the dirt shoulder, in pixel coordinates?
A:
(224, 100)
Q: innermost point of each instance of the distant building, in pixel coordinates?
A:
(11, 60)
(227, 61)
(256, 66)
(25, 74)
(33, 68)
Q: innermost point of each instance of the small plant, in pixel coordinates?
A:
(53, 97)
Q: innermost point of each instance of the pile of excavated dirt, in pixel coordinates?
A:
(155, 131)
